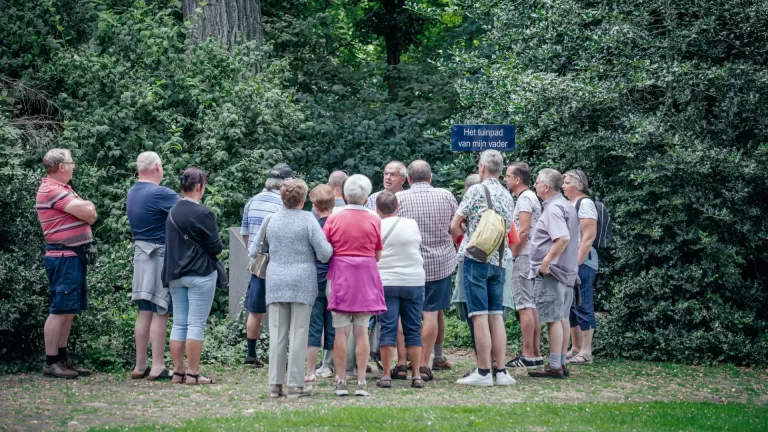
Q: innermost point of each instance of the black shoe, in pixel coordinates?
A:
(521, 362)
(253, 362)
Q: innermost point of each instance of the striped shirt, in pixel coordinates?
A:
(256, 210)
(432, 209)
(60, 227)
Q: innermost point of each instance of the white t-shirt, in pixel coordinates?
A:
(401, 263)
(527, 202)
(588, 210)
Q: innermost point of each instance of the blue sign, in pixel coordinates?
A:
(466, 138)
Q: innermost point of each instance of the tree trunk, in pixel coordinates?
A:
(228, 21)
(392, 43)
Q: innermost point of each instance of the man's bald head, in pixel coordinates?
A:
(335, 180)
(419, 171)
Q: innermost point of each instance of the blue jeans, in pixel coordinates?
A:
(321, 320)
(584, 315)
(405, 303)
(192, 300)
(483, 286)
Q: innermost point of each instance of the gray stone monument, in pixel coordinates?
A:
(238, 272)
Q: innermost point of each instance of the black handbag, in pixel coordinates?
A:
(222, 279)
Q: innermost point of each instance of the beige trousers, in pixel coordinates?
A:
(288, 336)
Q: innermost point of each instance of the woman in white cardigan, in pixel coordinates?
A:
(402, 272)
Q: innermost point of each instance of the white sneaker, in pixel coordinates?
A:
(324, 372)
(475, 379)
(503, 378)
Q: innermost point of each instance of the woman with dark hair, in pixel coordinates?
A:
(192, 249)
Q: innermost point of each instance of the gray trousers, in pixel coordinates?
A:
(288, 335)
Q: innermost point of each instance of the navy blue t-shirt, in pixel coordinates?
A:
(147, 207)
(322, 268)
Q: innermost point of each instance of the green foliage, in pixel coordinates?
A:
(663, 105)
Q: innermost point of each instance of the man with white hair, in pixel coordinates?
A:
(257, 209)
(554, 259)
(394, 178)
(147, 207)
(432, 209)
(484, 281)
(66, 221)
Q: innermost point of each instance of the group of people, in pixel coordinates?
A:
(357, 258)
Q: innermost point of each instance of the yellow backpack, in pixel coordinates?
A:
(489, 235)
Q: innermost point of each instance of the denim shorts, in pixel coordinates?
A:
(437, 295)
(68, 285)
(584, 315)
(321, 321)
(484, 288)
(403, 302)
(146, 305)
(256, 296)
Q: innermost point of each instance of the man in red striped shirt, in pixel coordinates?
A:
(66, 221)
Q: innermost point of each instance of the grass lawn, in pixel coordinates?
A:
(609, 395)
(593, 416)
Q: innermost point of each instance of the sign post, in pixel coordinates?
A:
(477, 138)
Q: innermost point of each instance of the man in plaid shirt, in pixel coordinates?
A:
(432, 209)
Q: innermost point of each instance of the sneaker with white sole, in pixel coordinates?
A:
(503, 378)
(297, 392)
(341, 388)
(362, 389)
(475, 379)
(324, 372)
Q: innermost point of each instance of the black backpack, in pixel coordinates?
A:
(603, 237)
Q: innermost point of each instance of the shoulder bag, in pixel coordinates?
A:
(258, 265)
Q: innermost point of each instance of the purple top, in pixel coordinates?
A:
(355, 285)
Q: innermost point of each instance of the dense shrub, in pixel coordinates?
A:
(664, 106)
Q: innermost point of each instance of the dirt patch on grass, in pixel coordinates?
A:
(31, 402)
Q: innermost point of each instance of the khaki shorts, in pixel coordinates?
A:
(522, 287)
(344, 320)
(553, 298)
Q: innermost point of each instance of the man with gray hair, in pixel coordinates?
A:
(484, 281)
(432, 209)
(147, 207)
(394, 178)
(66, 221)
(554, 260)
(261, 205)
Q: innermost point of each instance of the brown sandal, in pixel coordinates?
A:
(400, 372)
(197, 379)
(426, 373)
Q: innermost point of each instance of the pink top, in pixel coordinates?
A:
(354, 232)
(355, 281)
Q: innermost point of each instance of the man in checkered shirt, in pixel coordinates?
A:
(432, 209)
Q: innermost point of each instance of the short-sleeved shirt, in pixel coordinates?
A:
(432, 209)
(588, 210)
(474, 204)
(371, 201)
(527, 202)
(147, 207)
(558, 220)
(354, 231)
(60, 227)
(256, 210)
